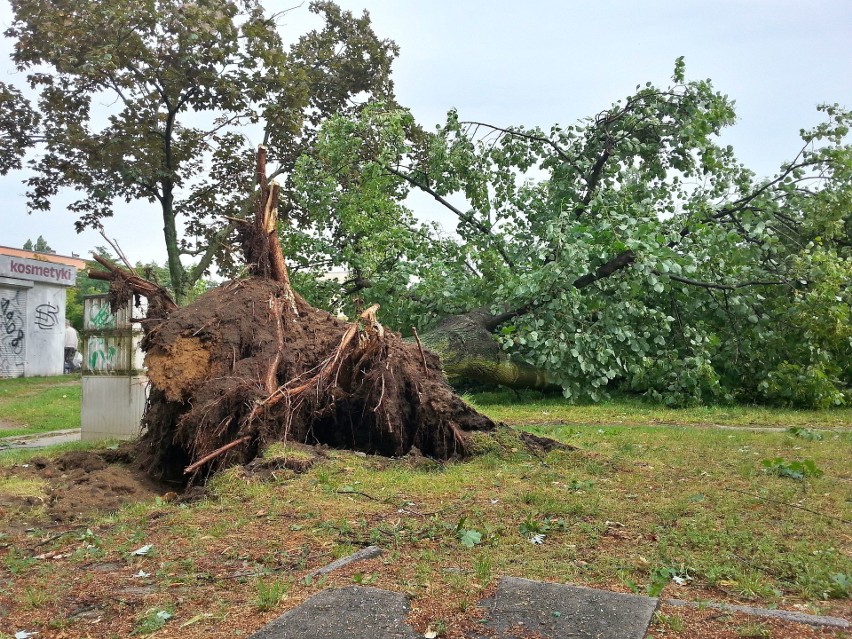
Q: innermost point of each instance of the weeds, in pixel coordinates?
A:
(805, 433)
(840, 586)
(37, 597)
(16, 563)
(753, 630)
(269, 594)
(467, 536)
(672, 622)
(153, 620)
(679, 500)
(660, 578)
(792, 469)
(483, 568)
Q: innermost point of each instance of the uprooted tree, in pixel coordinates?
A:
(251, 362)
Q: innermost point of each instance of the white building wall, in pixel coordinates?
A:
(32, 328)
(46, 330)
(13, 326)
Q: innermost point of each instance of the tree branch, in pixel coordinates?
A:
(720, 287)
(215, 243)
(529, 136)
(619, 262)
(466, 217)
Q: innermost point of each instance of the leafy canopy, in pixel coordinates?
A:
(629, 250)
(18, 123)
(150, 101)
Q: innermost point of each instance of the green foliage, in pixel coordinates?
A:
(628, 251)
(40, 246)
(84, 286)
(805, 433)
(270, 593)
(840, 586)
(18, 127)
(754, 629)
(533, 526)
(792, 469)
(802, 387)
(149, 101)
(672, 622)
(17, 562)
(470, 538)
(674, 381)
(660, 578)
(577, 485)
(467, 536)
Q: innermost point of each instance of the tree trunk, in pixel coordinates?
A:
(469, 352)
(176, 270)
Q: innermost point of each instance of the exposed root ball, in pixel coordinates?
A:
(175, 372)
(248, 364)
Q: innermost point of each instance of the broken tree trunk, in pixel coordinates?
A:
(250, 363)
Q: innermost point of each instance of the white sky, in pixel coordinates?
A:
(541, 62)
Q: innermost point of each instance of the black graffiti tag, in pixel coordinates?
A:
(11, 326)
(45, 315)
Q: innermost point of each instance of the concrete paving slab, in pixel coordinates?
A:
(523, 608)
(355, 612)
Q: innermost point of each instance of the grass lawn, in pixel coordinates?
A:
(530, 407)
(32, 405)
(690, 513)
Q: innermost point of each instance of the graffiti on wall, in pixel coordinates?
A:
(46, 316)
(12, 333)
(101, 355)
(100, 316)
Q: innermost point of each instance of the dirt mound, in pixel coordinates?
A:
(76, 484)
(250, 363)
(85, 462)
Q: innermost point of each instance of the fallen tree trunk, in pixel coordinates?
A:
(469, 352)
(251, 362)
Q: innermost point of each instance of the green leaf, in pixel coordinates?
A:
(470, 538)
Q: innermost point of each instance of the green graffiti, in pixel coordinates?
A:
(101, 356)
(102, 317)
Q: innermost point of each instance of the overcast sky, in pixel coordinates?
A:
(542, 62)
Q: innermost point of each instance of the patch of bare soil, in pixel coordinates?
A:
(79, 484)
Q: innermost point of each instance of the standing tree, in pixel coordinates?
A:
(630, 250)
(148, 100)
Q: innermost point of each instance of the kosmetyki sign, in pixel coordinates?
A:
(37, 270)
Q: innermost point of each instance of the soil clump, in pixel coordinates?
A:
(78, 484)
